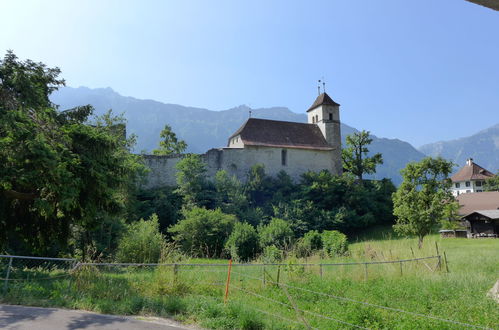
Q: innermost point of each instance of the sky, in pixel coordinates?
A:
(420, 71)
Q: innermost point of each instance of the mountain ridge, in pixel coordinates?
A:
(205, 129)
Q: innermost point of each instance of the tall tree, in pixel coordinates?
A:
(492, 184)
(57, 172)
(192, 182)
(355, 159)
(169, 143)
(420, 203)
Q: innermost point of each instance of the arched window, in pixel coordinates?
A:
(316, 118)
(330, 116)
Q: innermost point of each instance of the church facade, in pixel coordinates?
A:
(292, 147)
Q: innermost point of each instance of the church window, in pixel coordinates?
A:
(313, 120)
(284, 157)
(330, 116)
(479, 183)
(458, 185)
(316, 118)
(467, 183)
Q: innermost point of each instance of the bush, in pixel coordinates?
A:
(310, 242)
(334, 243)
(271, 254)
(278, 232)
(203, 232)
(243, 242)
(142, 242)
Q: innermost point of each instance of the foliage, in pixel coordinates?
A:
(142, 242)
(450, 219)
(169, 143)
(243, 242)
(202, 232)
(492, 184)
(334, 243)
(278, 232)
(272, 254)
(165, 202)
(230, 196)
(355, 159)
(192, 182)
(308, 244)
(420, 201)
(57, 171)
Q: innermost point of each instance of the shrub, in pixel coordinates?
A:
(278, 232)
(203, 232)
(142, 242)
(310, 242)
(334, 243)
(243, 242)
(271, 254)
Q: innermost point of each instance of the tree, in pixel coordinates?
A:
(57, 171)
(142, 242)
(278, 232)
(202, 232)
(192, 182)
(419, 204)
(243, 242)
(355, 158)
(492, 184)
(169, 143)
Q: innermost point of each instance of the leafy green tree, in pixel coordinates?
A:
(202, 232)
(192, 182)
(230, 196)
(355, 159)
(142, 242)
(278, 232)
(169, 143)
(57, 171)
(420, 201)
(258, 186)
(492, 184)
(243, 242)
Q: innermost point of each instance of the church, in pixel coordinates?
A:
(292, 147)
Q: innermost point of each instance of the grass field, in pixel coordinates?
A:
(195, 294)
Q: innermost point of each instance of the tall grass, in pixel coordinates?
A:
(195, 294)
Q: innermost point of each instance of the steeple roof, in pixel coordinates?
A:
(322, 99)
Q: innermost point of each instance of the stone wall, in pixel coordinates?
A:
(238, 161)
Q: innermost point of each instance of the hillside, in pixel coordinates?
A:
(204, 129)
(483, 147)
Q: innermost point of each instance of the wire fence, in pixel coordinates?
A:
(279, 289)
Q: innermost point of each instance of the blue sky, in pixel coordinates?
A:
(421, 71)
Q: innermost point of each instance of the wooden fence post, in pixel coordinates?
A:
(365, 272)
(446, 265)
(278, 273)
(320, 270)
(175, 271)
(400, 268)
(226, 297)
(263, 275)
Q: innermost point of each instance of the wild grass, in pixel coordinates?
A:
(194, 294)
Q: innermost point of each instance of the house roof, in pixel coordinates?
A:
(322, 99)
(471, 202)
(471, 171)
(491, 214)
(281, 134)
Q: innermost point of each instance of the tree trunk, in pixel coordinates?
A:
(420, 242)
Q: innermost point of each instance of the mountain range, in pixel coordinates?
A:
(204, 129)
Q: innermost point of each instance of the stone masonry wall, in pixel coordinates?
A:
(238, 161)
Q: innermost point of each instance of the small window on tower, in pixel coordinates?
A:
(330, 116)
(316, 118)
(284, 157)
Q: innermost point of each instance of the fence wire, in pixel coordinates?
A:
(211, 278)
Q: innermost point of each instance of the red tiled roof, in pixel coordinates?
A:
(322, 99)
(471, 202)
(471, 172)
(281, 134)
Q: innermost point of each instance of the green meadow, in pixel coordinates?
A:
(421, 294)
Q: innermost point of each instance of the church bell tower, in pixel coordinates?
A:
(325, 113)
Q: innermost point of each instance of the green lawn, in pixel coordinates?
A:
(195, 294)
